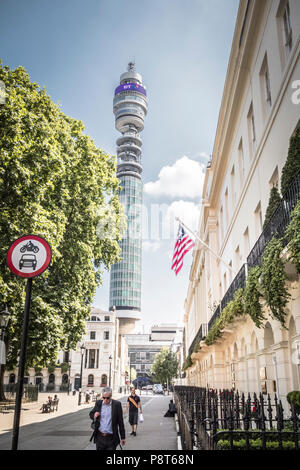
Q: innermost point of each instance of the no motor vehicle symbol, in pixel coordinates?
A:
(29, 256)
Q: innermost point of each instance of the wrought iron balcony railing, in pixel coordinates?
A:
(202, 332)
(276, 227)
(278, 223)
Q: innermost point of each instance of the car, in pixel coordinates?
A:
(28, 261)
(158, 389)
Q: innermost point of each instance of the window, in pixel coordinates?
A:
(106, 318)
(93, 335)
(90, 380)
(274, 179)
(226, 208)
(106, 334)
(237, 258)
(251, 131)
(233, 192)
(92, 358)
(103, 380)
(258, 220)
(284, 28)
(265, 86)
(246, 241)
(241, 163)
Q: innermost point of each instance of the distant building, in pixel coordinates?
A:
(104, 360)
(142, 348)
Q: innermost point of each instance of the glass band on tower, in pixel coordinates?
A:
(130, 108)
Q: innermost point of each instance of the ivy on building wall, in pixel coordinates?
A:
(235, 308)
(293, 237)
(188, 363)
(292, 165)
(253, 295)
(274, 201)
(273, 279)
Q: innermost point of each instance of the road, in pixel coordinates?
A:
(72, 431)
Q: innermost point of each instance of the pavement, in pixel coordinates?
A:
(69, 428)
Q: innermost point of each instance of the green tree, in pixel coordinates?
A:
(56, 183)
(165, 366)
(274, 201)
(292, 165)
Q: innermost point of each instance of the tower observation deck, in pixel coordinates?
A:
(130, 108)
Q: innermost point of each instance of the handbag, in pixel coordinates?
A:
(141, 419)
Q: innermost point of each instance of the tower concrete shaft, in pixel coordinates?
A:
(130, 108)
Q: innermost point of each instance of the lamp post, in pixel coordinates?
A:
(110, 359)
(69, 382)
(82, 348)
(4, 319)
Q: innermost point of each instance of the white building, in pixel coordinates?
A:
(257, 118)
(104, 360)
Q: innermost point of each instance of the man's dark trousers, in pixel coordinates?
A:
(105, 442)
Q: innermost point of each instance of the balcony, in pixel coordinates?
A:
(278, 223)
(202, 332)
(276, 226)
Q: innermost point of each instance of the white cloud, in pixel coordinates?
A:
(183, 179)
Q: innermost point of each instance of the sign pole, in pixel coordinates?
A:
(21, 366)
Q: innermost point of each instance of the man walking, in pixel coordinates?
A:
(107, 415)
(133, 405)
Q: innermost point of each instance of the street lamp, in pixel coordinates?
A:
(4, 319)
(82, 348)
(69, 382)
(110, 359)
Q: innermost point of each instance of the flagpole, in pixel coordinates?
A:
(206, 246)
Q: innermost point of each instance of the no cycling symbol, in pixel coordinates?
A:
(29, 256)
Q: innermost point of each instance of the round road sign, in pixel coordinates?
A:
(29, 256)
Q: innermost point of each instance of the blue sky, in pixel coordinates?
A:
(78, 49)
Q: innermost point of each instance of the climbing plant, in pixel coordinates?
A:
(274, 201)
(252, 296)
(292, 165)
(273, 279)
(293, 236)
(235, 308)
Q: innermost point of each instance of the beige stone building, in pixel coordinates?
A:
(258, 115)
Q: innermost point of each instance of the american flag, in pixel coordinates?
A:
(183, 244)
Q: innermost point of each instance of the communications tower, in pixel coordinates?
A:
(130, 108)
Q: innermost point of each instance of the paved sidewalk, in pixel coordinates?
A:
(31, 412)
(156, 432)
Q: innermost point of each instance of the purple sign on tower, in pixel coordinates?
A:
(130, 86)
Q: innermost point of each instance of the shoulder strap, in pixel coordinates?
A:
(133, 401)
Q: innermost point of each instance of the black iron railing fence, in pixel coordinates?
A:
(276, 227)
(225, 419)
(201, 333)
(278, 223)
(30, 392)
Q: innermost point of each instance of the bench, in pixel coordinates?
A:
(54, 405)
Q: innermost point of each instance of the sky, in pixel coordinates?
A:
(78, 49)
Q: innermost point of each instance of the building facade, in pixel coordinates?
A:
(104, 359)
(130, 109)
(142, 348)
(257, 118)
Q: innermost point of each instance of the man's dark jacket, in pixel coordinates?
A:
(116, 420)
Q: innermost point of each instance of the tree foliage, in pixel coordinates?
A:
(165, 366)
(54, 182)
